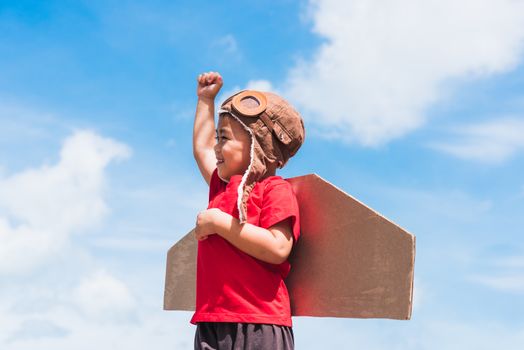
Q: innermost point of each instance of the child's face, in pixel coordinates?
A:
(232, 149)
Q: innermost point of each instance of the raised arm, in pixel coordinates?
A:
(204, 127)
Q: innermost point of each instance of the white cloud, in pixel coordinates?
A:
(490, 142)
(40, 208)
(70, 305)
(103, 297)
(261, 85)
(62, 327)
(23, 247)
(384, 63)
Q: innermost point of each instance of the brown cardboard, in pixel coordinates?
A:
(349, 261)
(180, 285)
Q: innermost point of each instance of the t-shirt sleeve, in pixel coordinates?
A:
(280, 203)
(216, 185)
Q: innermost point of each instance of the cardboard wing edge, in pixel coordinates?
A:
(320, 178)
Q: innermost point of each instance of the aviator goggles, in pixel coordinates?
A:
(253, 104)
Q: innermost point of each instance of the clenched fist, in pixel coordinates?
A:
(209, 84)
(205, 223)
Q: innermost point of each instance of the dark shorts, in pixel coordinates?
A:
(243, 336)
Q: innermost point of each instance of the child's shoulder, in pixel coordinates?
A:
(271, 180)
(274, 183)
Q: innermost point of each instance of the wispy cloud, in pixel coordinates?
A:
(384, 63)
(493, 141)
(19, 122)
(225, 50)
(513, 283)
(503, 272)
(133, 244)
(427, 333)
(37, 328)
(227, 44)
(512, 262)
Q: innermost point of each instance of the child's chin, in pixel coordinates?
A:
(223, 176)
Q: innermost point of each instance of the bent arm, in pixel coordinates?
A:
(271, 245)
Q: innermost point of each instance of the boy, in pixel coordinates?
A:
(252, 221)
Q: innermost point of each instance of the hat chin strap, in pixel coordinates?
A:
(242, 215)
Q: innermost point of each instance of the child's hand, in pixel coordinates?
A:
(205, 223)
(209, 84)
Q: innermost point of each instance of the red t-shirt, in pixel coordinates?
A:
(233, 286)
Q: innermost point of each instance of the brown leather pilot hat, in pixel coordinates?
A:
(277, 126)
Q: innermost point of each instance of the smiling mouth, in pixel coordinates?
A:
(220, 161)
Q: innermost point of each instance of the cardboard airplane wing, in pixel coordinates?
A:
(349, 261)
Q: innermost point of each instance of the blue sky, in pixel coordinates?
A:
(414, 107)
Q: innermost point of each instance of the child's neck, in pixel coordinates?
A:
(271, 170)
